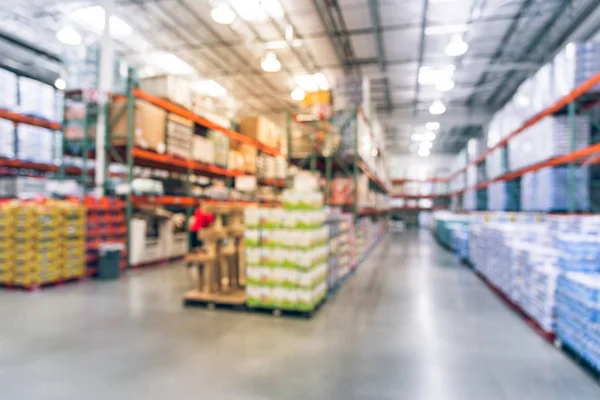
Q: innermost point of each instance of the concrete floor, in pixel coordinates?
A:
(410, 324)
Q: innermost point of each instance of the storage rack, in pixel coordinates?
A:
(130, 155)
(328, 164)
(580, 100)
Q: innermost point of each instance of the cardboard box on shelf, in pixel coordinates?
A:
(179, 134)
(236, 160)
(149, 129)
(249, 154)
(259, 128)
(221, 145)
(173, 88)
(203, 149)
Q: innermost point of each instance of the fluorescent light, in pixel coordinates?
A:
(457, 46)
(424, 152)
(298, 94)
(282, 44)
(223, 15)
(432, 126)
(416, 137)
(446, 29)
(432, 75)
(169, 63)
(426, 145)
(93, 18)
(312, 83)
(68, 35)
(270, 63)
(257, 10)
(60, 84)
(437, 107)
(445, 85)
(209, 88)
(428, 136)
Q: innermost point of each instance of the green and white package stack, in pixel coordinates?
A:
(286, 253)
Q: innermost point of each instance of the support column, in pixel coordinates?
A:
(107, 60)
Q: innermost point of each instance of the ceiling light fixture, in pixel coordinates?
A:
(416, 137)
(93, 18)
(69, 36)
(446, 29)
(312, 83)
(426, 145)
(432, 126)
(298, 94)
(258, 10)
(433, 75)
(428, 136)
(457, 46)
(270, 63)
(223, 15)
(437, 107)
(445, 85)
(424, 152)
(60, 84)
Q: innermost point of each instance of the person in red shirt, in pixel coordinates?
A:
(200, 220)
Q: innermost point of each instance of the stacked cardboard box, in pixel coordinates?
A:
(7, 138)
(38, 244)
(73, 240)
(173, 88)
(286, 253)
(203, 149)
(149, 127)
(7, 241)
(38, 99)
(262, 130)
(179, 132)
(8, 90)
(221, 148)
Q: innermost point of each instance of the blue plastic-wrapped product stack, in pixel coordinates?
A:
(529, 190)
(553, 189)
(460, 240)
(578, 289)
(504, 195)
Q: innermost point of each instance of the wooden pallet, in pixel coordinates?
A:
(38, 286)
(280, 312)
(235, 299)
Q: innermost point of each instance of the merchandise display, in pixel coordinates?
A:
(8, 90)
(46, 242)
(287, 253)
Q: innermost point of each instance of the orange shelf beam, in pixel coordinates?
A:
(167, 161)
(418, 196)
(553, 162)
(27, 165)
(25, 119)
(430, 180)
(175, 109)
(272, 182)
(559, 105)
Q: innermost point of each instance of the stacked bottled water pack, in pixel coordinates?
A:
(504, 196)
(578, 314)
(460, 240)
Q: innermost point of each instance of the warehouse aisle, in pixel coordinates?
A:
(411, 324)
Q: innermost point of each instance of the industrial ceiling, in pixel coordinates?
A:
(393, 42)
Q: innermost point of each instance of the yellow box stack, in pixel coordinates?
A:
(48, 241)
(38, 240)
(7, 242)
(73, 249)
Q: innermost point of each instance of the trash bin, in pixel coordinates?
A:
(109, 256)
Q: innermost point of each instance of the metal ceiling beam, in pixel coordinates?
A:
(500, 49)
(574, 18)
(374, 10)
(421, 52)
